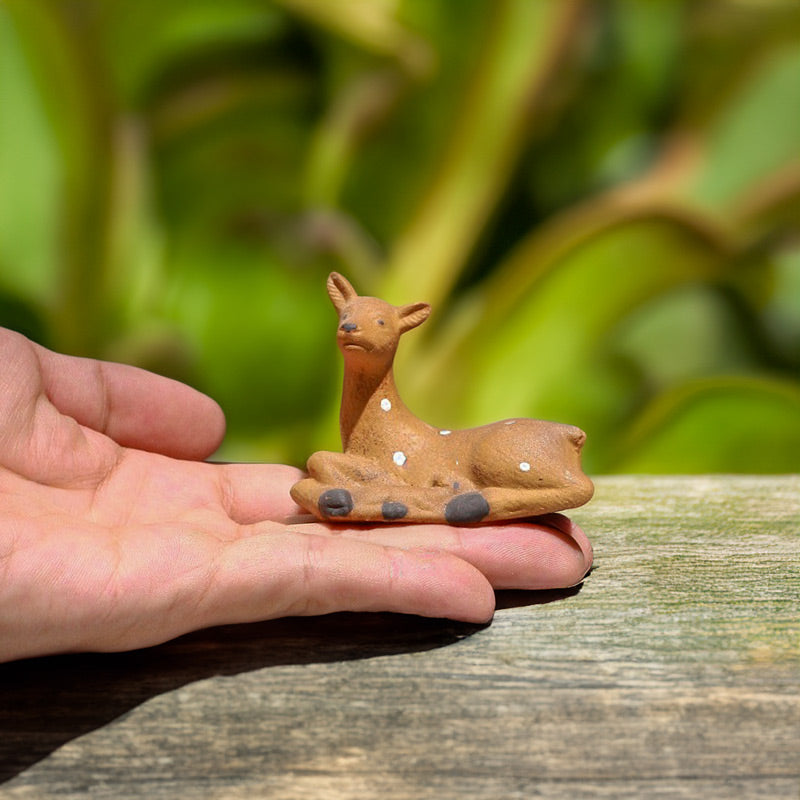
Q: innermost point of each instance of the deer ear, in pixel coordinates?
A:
(413, 315)
(340, 291)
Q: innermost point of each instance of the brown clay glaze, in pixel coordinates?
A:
(397, 468)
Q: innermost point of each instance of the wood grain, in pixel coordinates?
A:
(673, 672)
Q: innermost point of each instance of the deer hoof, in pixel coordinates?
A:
(393, 510)
(335, 503)
(469, 507)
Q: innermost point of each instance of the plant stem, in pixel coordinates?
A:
(524, 44)
(60, 45)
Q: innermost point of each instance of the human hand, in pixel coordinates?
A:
(114, 534)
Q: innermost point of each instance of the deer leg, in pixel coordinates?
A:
(379, 501)
(343, 487)
(321, 500)
(529, 467)
(356, 503)
(403, 503)
(516, 503)
(323, 493)
(382, 502)
(341, 468)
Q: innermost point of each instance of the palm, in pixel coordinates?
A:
(128, 546)
(108, 546)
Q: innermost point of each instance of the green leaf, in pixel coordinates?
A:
(732, 424)
(260, 335)
(30, 177)
(63, 58)
(145, 39)
(518, 56)
(682, 334)
(370, 24)
(782, 311)
(549, 312)
(754, 135)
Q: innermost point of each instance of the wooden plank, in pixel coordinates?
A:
(673, 672)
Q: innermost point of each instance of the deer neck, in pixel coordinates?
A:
(369, 402)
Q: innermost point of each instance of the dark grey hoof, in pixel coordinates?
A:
(335, 503)
(392, 510)
(469, 507)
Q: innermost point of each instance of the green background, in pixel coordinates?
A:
(601, 200)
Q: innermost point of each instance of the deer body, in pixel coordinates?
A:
(397, 467)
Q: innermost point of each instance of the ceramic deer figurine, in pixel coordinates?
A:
(396, 467)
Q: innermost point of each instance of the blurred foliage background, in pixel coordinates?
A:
(600, 198)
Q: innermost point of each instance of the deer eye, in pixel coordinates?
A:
(381, 322)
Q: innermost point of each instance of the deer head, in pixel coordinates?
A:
(370, 328)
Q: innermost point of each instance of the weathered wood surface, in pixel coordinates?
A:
(673, 672)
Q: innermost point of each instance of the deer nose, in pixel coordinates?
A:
(348, 327)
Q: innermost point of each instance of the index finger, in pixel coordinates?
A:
(132, 406)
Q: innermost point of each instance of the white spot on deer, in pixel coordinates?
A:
(399, 458)
(445, 433)
(386, 404)
(511, 422)
(525, 466)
